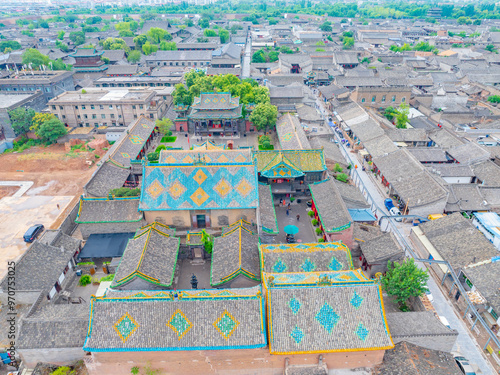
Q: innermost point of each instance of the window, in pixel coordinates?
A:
(133, 107)
(374, 98)
(63, 116)
(53, 107)
(394, 98)
(83, 107)
(47, 89)
(141, 106)
(76, 107)
(403, 99)
(118, 107)
(85, 116)
(195, 63)
(96, 124)
(87, 124)
(56, 116)
(103, 116)
(135, 117)
(171, 64)
(105, 124)
(362, 100)
(383, 99)
(61, 107)
(79, 117)
(94, 116)
(101, 106)
(92, 106)
(110, 106)
(151, 115)
(112, 115)
(119, 116)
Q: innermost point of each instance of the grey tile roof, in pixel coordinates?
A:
(106, 178)
(334, 318)
(407, 135)
(57, 238)
(131, 143)
(235, 253)
(284, 79)
(351, 195)
(180, 56)
(345, 58)
(416, 324)
(196, 320)
(305, 257)
(267, 211)
(331, 150)
(398, 165)
(151, 256)
(367, 130)
(452, 170)
(381, 249)
(469, 153)
(122, 69)
(114, 55)
(116, 210)
(364, 232)
(419, 190)
(290, 133)
(379, 146)
(45, 261)
(445, 139)
(331, 208)
(485, 277)
(458, 241)
(288, 92)
(409, 359)
(429, 154)
(488, 173)
(55, 326)
(465, 197)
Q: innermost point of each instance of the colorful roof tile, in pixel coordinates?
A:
(227, 319)
(297, 161)
(214, 156)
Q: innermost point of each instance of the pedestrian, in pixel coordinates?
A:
(289, 206)
(58, 206)
(287, 213)
(281, 201)
(298, 217)
(284, 202)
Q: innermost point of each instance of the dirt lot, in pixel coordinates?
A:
(53, 170)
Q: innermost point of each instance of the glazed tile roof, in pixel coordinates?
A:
(151, 256)
(267, 213)
(215, 106)
(106, 178)
(198, 187)
(214, 156)
(131, 143)
(332, 318)
(240, 223)
(290, 133)
(219, 319)
(305, 257)
(297, 160)
(235, 253)
(331, 209)
(312, 279)
(103, 210)
(209, 145)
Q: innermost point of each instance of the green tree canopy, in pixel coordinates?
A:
(404, 280)
(264, 116)
(51, 130)
(60, 35)
(20, 119)
(77, 37)
(35, 58)
(113, 44)
(139, 41)
(149, 48)
(494, 99)
(348, 42)
(224, 36)
(204, 23)
(402, 116)
(134, 57)
(12, 44)
(168, 46)
(156, 35)
(164, 125)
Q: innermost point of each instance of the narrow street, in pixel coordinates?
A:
(466, 344)
(246, 58)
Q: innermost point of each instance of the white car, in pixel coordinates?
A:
(464, 365)
(394, 211)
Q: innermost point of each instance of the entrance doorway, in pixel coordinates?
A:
(200, 220)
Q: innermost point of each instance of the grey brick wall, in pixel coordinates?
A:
(88, 229)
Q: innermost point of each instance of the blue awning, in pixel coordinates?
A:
(361, 215)
(105, 245)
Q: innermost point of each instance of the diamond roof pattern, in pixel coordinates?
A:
(230, 319)
(295, 160)
(199, 187)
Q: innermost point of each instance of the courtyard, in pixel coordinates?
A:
(306, 233)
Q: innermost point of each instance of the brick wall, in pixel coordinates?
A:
(88, 229)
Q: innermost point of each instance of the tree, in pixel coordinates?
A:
(209, 33)
(259, 57)
(149, 48)
(51, 130)
(462, 20)
(337, 168)
(43, 24)
(494, 99)
(204, 23)
(404, 280)
(157, 35)
(168, 46)
(134, 57)
(12, 44)
(125, 33)
(188, 22)
(35, 58)
(348, 42)
(139, 41)
(390, 113)
(181, 95)
(402, 116)
(20, 119)
(153, 157)
(77, 37)
(326, 26)
(93, 20)
(38, 119)
(113, 44)
(224, 36)
(264, 116)
(164, 125)
(490, 47)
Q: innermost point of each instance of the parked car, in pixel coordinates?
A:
(32, 233)
(435, 216)
(394, 211)
(464, 365)
(388, 204)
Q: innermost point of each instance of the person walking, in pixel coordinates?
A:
(298, 217)
(289, 206)
(281, 201)
(287, 212)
